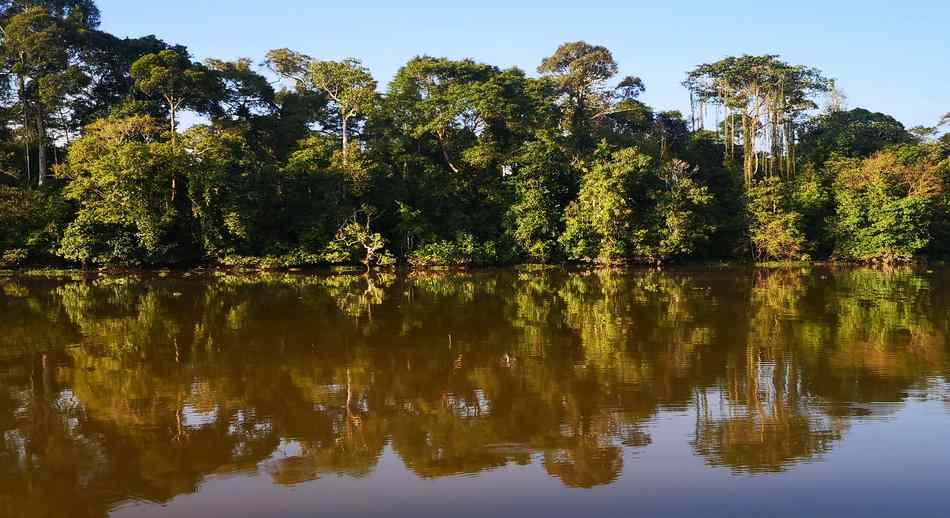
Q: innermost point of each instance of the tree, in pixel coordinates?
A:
(180, 82)
(599, 224)
(581, 70)
(543, 184)
(681, 210)
(945, 121)
(231, 192)
(886, 204)
(775, 227)
(107, 60)
(172, 76)
(118, 173)
(347, 83)
(767, 95)
(357, 233)
(35, 50)
(855, 133)
(245, 95)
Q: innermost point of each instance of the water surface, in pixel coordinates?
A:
(700, 391)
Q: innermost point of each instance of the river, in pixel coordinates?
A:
(712, 391)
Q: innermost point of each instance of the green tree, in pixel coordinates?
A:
(775, 226)
(854, 133)
(581, 71)
(886, 204)
(35, 49)
(599, 224)
(230, 192)
(179, 82)
(544, 183)
(683, 224)
(356, 237)
(347, 83)
(118, 175)
(765, 96)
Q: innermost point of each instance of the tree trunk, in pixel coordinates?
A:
(42, 162)
(748, 149)
(173, 111)
(370, 255)
(445, 153)
(790, 144)
(345, 139)
(26, 129)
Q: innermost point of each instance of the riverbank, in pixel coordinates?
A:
(75, 272)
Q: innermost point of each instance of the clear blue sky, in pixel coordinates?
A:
(889, 56)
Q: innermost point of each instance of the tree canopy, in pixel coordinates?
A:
(132, 151)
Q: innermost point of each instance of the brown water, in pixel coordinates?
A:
(712, 392)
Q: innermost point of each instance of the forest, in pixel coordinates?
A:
(131, 152)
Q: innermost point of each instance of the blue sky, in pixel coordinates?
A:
(889, 56)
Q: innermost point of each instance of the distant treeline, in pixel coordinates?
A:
(453, 163)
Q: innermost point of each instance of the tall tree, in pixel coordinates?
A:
(347, 83)
(581, 71)
(853, 133)
(766, 95)
(171, 75)
(107, 60)
(35, 50)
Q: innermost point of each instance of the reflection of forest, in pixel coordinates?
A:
(117, 388)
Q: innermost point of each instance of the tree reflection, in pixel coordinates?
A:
(124, 388)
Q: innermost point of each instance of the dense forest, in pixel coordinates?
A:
(298, 161)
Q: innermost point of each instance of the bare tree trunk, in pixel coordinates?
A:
(345, 139)
(173, 111)
(790, 156)
(42, 161)
(26, 129)
(445, 154)
(748, 150)
(26, 156)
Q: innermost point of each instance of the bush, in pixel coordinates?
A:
(31, 221)
(13, 257)
(463, 251)
(297, 258)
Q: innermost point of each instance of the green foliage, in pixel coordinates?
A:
(120, 176)
(31, 223)
(600, 224)
(173, 77)
(229, 188)
(813, 198)
(628, 209)
(683, 225)
(456, 163)
(356, 240)
(886, 204)
(13, 257)
(294, 259)
(775, 227)
(543, 185)
(464, 250)
(853, 133)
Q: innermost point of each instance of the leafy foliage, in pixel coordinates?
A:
(887, 204)
(454, 162)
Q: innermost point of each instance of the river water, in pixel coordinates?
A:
(704, 391)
